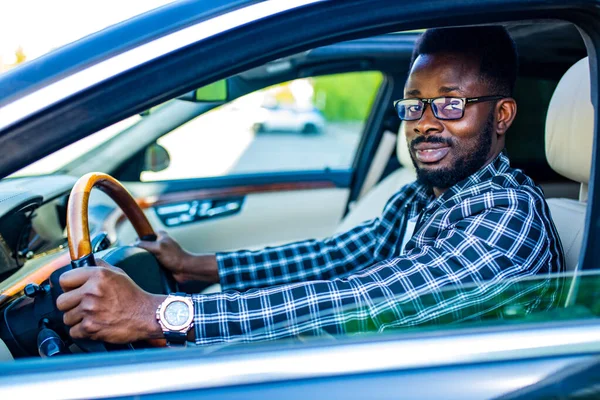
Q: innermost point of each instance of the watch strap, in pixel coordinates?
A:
(175, 338)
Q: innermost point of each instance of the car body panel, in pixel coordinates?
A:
(535, 352)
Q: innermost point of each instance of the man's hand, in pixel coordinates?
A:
(183, 265)
(103, 303)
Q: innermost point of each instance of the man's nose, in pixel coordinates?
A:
(428, 123)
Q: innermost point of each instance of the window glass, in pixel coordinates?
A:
(305, 124)
(520, 300)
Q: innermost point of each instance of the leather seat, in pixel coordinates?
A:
(569, 139)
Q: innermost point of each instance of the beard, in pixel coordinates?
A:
(463, 166)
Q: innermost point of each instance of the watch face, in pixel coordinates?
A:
(177, 313)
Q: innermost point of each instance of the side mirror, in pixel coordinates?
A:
(216, 92)
(156, 158)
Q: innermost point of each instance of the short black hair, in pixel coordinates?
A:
(492, 44)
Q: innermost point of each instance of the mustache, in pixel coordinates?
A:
(430, 139)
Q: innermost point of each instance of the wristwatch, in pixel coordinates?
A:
(175, 315)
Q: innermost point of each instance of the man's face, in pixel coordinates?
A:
(446, 152)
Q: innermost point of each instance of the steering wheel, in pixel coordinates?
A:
(78, 232)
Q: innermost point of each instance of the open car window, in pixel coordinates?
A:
(305, 124)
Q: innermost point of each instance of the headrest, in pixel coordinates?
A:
(402, 149)
(570, 124)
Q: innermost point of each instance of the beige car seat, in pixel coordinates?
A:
(569, 139)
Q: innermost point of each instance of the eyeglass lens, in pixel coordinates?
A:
(442, 107)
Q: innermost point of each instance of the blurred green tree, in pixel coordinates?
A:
(346, 97)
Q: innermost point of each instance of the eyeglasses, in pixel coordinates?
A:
(444, 108)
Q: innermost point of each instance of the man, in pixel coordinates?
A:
(469, 221)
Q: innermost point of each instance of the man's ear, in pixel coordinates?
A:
(506, 111)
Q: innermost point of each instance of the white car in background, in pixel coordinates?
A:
(281, 118)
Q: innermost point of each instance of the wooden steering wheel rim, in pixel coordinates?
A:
(78, 231)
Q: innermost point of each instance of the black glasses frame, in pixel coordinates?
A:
(465, 100)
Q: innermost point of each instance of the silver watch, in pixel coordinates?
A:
(175, 315)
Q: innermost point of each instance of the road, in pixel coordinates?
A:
(212, 149)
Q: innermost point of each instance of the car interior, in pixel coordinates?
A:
(551, 140)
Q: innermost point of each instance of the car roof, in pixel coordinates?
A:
(109, 42)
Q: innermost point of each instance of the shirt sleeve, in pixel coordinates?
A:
(310, 260)
(466, 272)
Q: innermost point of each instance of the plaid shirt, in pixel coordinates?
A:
(466, 247)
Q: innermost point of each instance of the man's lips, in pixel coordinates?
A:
(429, 146)
(431, 152)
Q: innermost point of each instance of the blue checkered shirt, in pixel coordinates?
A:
(466, 248)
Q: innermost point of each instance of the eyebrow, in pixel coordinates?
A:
(448, 89)
(441, 90)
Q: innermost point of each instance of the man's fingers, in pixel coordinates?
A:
(73, 317)
(85, 330)
(101, 263)
(75, 278)
(69, 300)
(152, 247)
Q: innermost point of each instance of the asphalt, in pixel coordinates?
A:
(207, 149)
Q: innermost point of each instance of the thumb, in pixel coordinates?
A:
(101, 263)
(152, 247)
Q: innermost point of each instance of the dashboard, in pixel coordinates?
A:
(32, 220)
(29, 229)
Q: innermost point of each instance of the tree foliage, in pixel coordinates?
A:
(346, 97)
